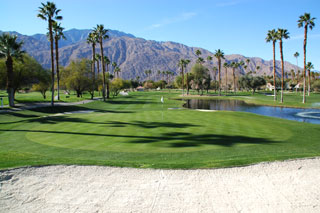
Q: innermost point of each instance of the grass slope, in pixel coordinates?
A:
(138, 131)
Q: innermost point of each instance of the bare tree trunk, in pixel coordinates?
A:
(57, 66)
(226, 80)
(234, 80)
(103, 71)
(309, 84)
(182, 79)
(93, 69)
(274, 71)
(52, 62)
(219, 68)
(10, 90)
(304, 63)
(108, 90)
(187, 85)
(282, 71)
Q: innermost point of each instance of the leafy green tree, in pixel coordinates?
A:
(117, 70)
(93, 39)
(102, 34)
(116, 86)
(114, 65)
(10, 49)
(219, 55)
(251, 82)
(58, 34)
(200, 75)
(282, 34)
(273, 36)
(307, 22)
(44, 83)
(316, 85)
(78, 76)
(49, 12)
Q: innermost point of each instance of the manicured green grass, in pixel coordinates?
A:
(37, 97)
(138, 131)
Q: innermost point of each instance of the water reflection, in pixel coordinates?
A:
(302, 115)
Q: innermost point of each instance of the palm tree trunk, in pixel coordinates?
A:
(219, 75)
(182, 79)
(234, 80)
(282, 71)
(52, 62)
(108, 90)
(309, 84)
(274, 71)
(10, 90)
(226, 80)
(98, 69)
(93, 69)
(57, 66)
(187, 84)
(304, 63)
(103, 71)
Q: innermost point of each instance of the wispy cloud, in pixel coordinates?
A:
(177, 19)
(228, 3)
(301, 36)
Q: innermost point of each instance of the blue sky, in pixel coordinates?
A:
(235, 26)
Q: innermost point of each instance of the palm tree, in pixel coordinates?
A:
(93, 39)
(49, 12)
(102, 34)
(273, 36)
(306, 21)
(107, 62)
(282, 34)
(158, 73)
(219, 55)
(309, 67)
(226, 65)
(183, 64)
(117, 70)
(209, 58)
(234, 66)
(114, 65)
(200, 60)
(58, 34)
(198, 53)
(9, 49)
(296, 55)
(97, 59)
(292, 74)
(248, 63)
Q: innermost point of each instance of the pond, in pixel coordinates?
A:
(302, 115)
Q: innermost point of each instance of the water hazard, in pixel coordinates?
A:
(302, 115)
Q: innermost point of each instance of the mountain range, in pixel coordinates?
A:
(135, 55)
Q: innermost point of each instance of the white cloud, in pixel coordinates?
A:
(177, 19)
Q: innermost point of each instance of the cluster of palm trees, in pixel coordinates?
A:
(219, 55)
(50, 13)
(278, 35)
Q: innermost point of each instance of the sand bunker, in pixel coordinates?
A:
(289, 186)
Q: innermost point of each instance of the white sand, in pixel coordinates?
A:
(290, 186)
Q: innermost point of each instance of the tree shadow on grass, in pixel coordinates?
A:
(172, 139)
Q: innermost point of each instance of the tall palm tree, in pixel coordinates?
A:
(117, 70)
(114, 65)
(292, 74)
(306, 21)
(183, 64)
(282, 34)
(58, 34)
(226, 65)
(219, 54)
(97, 59)
(234, 66)
(102, 34)
(309, 67)
(296, 55)
(9, 49)
(247, 62)
(49, 12)
(209, 58)
(107, 62)
(273, 36)
(93, 39)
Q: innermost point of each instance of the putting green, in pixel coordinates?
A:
(152, 132)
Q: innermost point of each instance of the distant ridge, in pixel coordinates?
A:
(135, 55)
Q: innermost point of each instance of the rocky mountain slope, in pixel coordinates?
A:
(134, 55)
